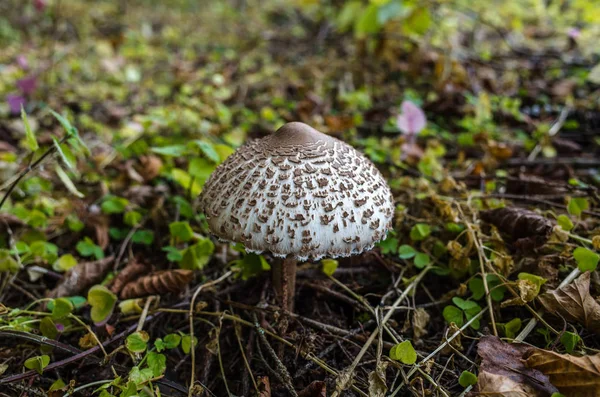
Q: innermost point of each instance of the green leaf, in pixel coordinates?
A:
(453, 314)
(404, 352)
(7, 262)
(57, 385)
(535, 280)
(570, 340)
(172, 151)
(143, 236)
(114, 205)
(388, 11)
(64, 178)
(62, 308)
(196, 256)
(66, 124)
(467, 379)
(181, 230)
(329, 266)
(251, 265)
(48, 328)
(29, 135)
(419, 21)
(65, 154)
(137, 342)
(157, 363)
(37, 363)
(577, 205)
(103, 303)
(186, 343)
(200, 169)
(172, 341)
(74, 224)
(86, 247)
(348, 15)
(185, 180)
(173, 254)
(139, 377)
(367, 22)
(132, 218)
(511, 328)
(586, 259)
(420, 231)
(421, 260)
(208, 149)
(477, 288)
(64, 263)
(389, 245)
(565, 222)
(406, 252)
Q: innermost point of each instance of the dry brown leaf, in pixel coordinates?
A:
(503, 373)
(520, 223)
(264, 386)
(420, 321)
(157, 283)
(316, 389)
(573, 376)
(129, 273)
(81, 277)
(573, 302)
(150, 167)
(494, 385)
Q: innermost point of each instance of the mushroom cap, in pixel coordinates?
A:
(298, 192)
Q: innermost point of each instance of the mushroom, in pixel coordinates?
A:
(301, 195)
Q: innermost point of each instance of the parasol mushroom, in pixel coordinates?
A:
(301, 195)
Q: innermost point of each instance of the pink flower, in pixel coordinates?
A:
(412, 120)
(40, 5)
(15, 101)
(22, 62)
(574, 33)
(27, 85)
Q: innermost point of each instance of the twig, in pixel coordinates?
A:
(440, 347)
(281, 369)
(191, 316)
(347, 373)
(31, 168)
(483, 261)
(144, 314)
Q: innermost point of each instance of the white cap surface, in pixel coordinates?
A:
(298, 192)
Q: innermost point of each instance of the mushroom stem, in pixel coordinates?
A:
(284, 281)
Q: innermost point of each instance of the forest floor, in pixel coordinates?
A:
(112, 285)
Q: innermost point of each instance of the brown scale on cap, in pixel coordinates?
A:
(328, 198)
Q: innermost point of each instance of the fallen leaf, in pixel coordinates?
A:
(82, 276)
(503, 373)
(264, 386)
(420, 321)
(377, 385)
(316, 389)
(520, 224)
(573, 376)
(573, 302)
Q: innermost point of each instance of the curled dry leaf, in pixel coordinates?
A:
(520, 224)
(316, 389)
(573, 302)
(157, 283)
(132, 271)
(503, 373)
(420, 321)
(573, 376)
(264, 386)
(81, 277)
